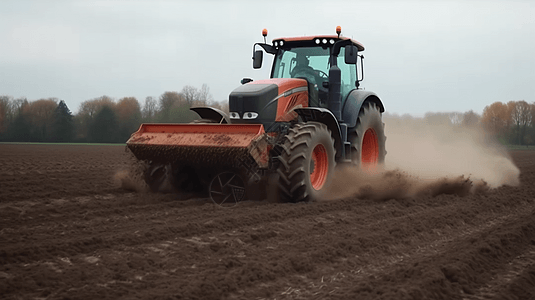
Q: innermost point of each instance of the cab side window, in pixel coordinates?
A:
(349, 75)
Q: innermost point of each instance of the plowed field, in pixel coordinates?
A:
(69, 231)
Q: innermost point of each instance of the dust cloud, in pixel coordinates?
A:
(131, 181)
(131, 178)
(430, 156)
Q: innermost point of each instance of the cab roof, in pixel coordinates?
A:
(314, 40)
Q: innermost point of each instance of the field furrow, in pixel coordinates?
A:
(68, 230)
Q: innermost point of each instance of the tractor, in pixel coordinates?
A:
(284, 134)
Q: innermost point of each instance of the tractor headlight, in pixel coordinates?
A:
(234, 115)
(250, 115)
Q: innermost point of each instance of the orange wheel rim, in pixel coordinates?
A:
(320, 161)
(370, 150)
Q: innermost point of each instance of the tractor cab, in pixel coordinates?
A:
(311, 58)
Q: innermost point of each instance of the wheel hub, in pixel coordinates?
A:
(227, 189)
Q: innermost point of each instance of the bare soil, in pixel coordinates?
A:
(69, 231)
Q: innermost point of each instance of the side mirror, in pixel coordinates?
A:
(245, 80)
(257, 59)
(350, 54)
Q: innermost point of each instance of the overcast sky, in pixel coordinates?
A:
(420, 56)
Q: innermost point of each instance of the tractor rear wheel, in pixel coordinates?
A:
(306, 162)
(368, 139)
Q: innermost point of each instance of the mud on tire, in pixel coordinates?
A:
(368, 138)
(306, 162)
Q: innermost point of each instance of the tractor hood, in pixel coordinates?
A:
(267, 101)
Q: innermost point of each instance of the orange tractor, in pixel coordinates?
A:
(290, 130)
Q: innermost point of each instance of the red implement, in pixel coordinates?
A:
(197, 142)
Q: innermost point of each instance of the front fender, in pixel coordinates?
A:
(326, 117)
(211, 113)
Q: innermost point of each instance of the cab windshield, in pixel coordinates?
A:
(311, 63)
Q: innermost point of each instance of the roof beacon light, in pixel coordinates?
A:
(264, 34)
(338, 30)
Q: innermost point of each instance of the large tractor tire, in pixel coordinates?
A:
(368, 139)
(307, 162)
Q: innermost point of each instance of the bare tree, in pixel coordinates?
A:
(149, 109)
(18, 105)
(190, 94)
(204, 97)
(521, 117)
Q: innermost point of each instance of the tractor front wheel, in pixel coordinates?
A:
(306, 162)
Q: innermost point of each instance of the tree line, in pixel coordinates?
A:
(106, 120)
(511, 122)
(99, 120)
